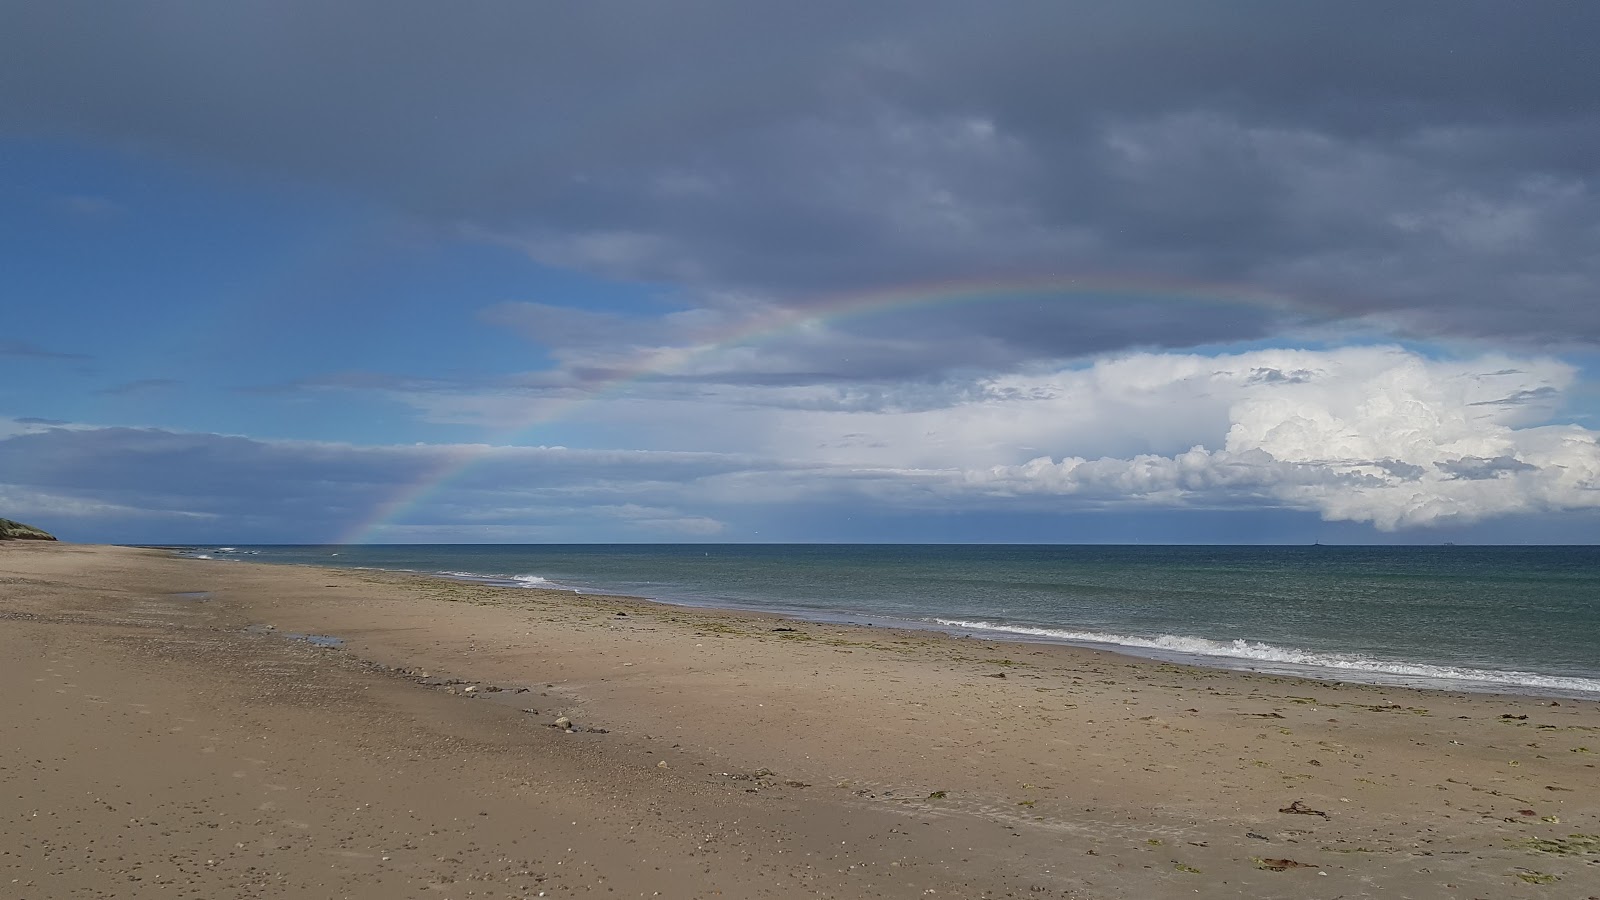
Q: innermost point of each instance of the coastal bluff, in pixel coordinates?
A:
(16, 531)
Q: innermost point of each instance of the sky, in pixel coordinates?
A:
(1147, 272)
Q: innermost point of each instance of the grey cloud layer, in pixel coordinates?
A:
(298, 490)
(1428, 167)
(1375, 435)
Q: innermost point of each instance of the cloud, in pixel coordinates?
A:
(89, 208)
(1385, 437)
(1536, 395)
(1382, 165)
(139, 386)
(1478, 468)
(1378, 435)
(167, 485)
(28, 350)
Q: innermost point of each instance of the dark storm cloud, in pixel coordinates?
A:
(1432, 166)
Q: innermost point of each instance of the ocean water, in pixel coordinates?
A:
(1515, 619)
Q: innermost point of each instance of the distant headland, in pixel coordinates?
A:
(16, 531)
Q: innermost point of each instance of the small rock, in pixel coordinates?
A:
(563, 723)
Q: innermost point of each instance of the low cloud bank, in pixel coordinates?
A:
(1379, 435)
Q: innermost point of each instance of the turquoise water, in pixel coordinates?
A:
(1524, 619)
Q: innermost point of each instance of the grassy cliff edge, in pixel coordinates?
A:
(16, 531)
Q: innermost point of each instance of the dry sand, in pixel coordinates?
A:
(160, 742)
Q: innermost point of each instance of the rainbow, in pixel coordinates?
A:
(782, 321)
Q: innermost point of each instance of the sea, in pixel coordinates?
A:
(1520, 620)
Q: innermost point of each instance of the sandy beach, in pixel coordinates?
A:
(181, 728)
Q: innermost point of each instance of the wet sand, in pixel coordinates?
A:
(163, 733)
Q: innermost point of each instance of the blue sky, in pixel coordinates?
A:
(565, 275)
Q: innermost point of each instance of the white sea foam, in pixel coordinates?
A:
(499, 579)
(1290, 656)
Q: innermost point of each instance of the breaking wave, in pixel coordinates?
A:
(1180, 645)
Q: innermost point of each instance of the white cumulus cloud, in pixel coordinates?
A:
(1379, 435)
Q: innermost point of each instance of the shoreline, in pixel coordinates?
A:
(1422, 676)
(741, 747)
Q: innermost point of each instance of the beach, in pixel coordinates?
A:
(206, 728)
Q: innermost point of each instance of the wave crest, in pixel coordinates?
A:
(1254, 650)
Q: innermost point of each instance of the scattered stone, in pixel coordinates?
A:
(1279, 865)
(1259, 837)
(563, 723)
(1299, 808)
